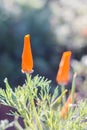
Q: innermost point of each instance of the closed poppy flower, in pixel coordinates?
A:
(64, 68)
(27, 59)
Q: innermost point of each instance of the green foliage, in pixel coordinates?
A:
(40, 110)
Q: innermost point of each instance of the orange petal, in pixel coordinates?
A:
(64, 68)
(27, 60)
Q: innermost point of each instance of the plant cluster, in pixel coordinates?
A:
(34, 103)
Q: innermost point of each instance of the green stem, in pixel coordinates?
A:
(63, 89)
(33, 105)
(73, 87)
(55, 104)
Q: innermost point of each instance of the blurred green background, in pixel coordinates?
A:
(54, 25)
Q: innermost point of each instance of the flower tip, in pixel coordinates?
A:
(27, 35)
(68, 53)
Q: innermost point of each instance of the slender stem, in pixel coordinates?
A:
(63, 89)
(55, 104)
(73, 87)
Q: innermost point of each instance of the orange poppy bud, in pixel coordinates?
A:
(27, 60)
(65, 109)
(64, 68)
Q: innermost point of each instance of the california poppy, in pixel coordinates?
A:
(65, 108)
(64, 68)
(27, 59)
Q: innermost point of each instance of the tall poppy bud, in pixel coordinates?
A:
(64, 68)
(27, 60)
